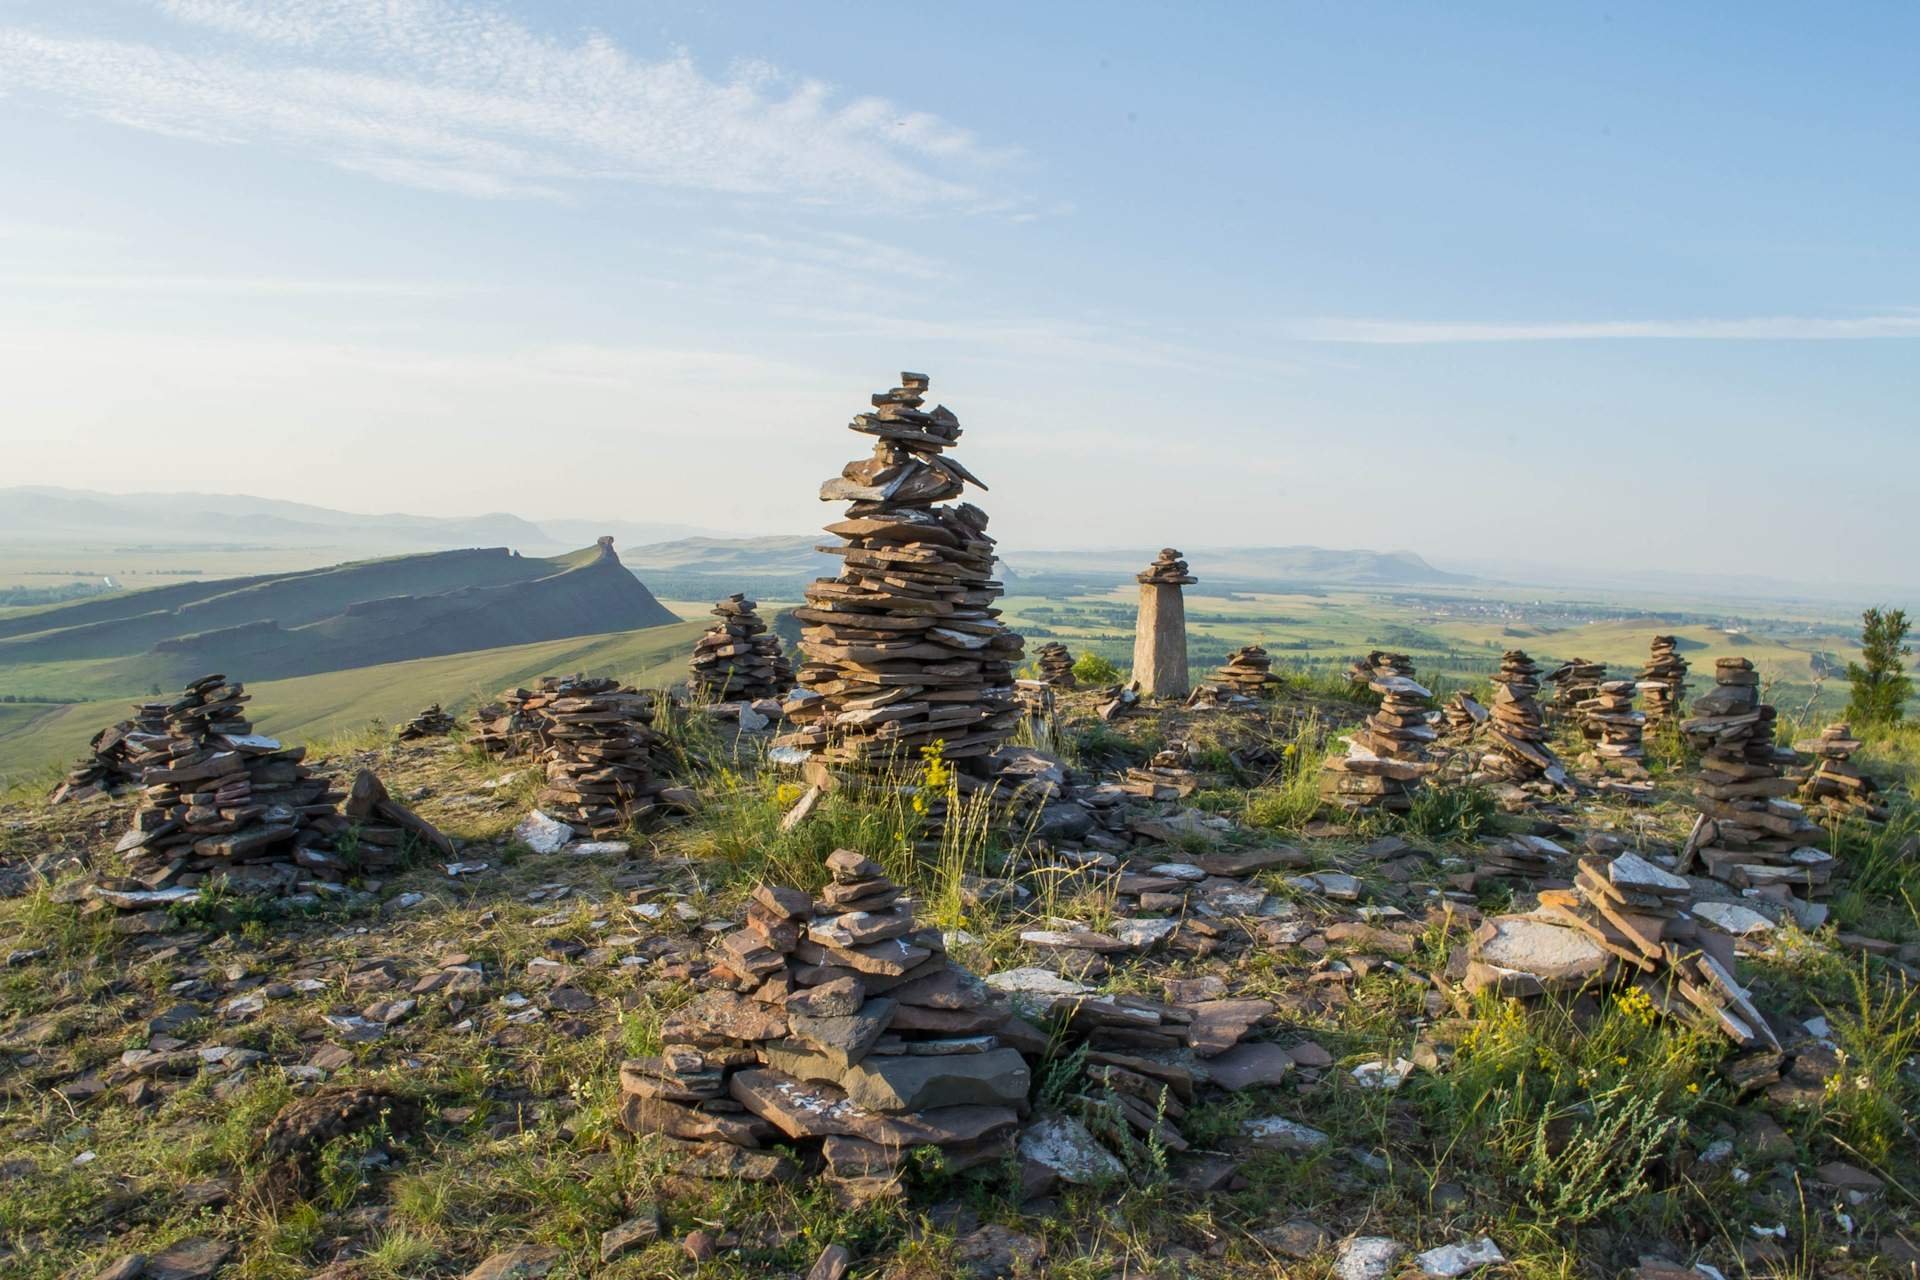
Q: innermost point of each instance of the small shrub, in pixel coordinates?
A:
(1091, 668)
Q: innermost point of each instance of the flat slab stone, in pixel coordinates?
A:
(1246, 1066)
(541, 833)
(1283, 1134)
(1063, 1145)
(1550, 952)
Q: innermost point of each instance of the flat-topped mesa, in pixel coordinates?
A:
(1386, 758)
(1574, 683)
(1055, 665)
(1834, 788)
(739, 659)
(1663, 681)
(1517, 731)
(905, 647)
(1160, 631)
(1248, 671)
(109, 765)
(221, 799)
(1750, 834)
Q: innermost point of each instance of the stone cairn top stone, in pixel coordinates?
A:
(738, 659)
(595, 738)
(1386, 757)
(1663, 681)
(1167, 570)
(1518, 733)
(109, 766)
(1624, 919)
(1834, 788)
(431, 723)
(840, 1027)
(905, 647)
(1248, 671)
(221, 799)
(1750, 834)
(1055, 665)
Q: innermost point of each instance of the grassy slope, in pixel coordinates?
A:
(37, 738)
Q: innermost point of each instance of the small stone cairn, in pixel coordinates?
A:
(1387, 757)
(738, 659)
(1160, 633)
(1575, 683)
(1248, 671)
(1750, 834)
(431, 723)
(109, 763)
(905, 646)
(598, 749)
(1055, 665)
(1663, 682)
(1379, 662)
(1518, 732)
(1615, 727)
(222, 799)
(1464, 714)
(839, 1027)
(1623, 915)
(1834, 788)
(1169, 775)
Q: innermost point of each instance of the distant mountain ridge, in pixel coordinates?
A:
(1246, 566)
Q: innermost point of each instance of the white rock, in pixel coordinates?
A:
(1283, 1134)
(1367, 1258)
(542, 834)
(1035, 982)
(600, 848)
(1144, 933)
(1380, 1074)
(406, 900)
(129, 899)
(1063, 1145)
(463, 868)
(751, 719)
(1178, 871)
(1451, 1260)
(1733, 918)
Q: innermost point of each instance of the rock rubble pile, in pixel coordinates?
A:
(109, 763)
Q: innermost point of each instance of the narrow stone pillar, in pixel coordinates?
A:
(1160, 635)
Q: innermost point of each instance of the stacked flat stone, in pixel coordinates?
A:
(1614, 726)
(598, 744)
(1387, 757)
(502, 728)
(1637, 914)
(1574, 683)
(1663, 681)
(1160, 630)
(431, 723)
(1751, 834)
(1055, 665)
(1464, 714)
(739, 660)
(1379, 662)
(905, 647)
(1248, 671)
(1517, 732)
(1834, 788)
(109, 763)
(839, 1027)
(220, 798)
(1168, 775)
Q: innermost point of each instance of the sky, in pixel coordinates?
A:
(1633, 285)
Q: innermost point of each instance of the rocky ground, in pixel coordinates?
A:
(420, 1076)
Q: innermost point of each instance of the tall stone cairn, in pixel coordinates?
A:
(1663, 682)
(838, 1026)
(598, 747)
(1387, 757)
(1055, 665)
(1751, 835)
(1160, 634)
(738, 659)
(1518, 732)
(1835, 788)
(905, 647)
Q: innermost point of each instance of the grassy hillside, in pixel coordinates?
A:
(39, 737)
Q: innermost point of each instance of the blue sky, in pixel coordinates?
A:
(1522, 282)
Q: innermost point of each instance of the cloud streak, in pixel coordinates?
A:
(1903, 323)
(450, 96)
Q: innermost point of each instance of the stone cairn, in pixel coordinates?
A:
(1623, 915)
(1575, 683)
(905, 647)
(1464, 714)
(1379, 662)
(109, 763)
(1168, 775)
(431, 723)
(739, 660)
(1750, 834)
(220, 798)
(839, 1027)
(1386, 757)
(1834, 788)
(1518, 732)
(1614, 726)
(1055, 665)
(599, 749)
(1663, 681)
(1248, 671)
(1160, 633)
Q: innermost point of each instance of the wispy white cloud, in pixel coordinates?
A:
(234, 286)
(1899, 323)
(454, 96)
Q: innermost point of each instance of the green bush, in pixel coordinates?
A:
(1091, 668)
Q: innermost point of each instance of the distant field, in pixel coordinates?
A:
(34, 738)
(48, 564)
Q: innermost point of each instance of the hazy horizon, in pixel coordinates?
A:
(1630, 292)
